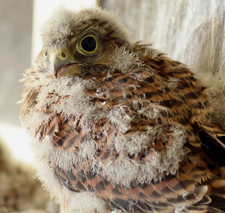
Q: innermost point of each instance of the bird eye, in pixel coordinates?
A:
(88, 45)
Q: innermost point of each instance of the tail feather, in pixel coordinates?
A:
(201, 209)
(216, 191)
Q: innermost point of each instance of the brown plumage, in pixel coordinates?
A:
(118, 126)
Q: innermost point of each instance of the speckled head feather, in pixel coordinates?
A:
(118, 126)
(68, 24)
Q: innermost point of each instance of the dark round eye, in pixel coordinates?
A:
(89, 44)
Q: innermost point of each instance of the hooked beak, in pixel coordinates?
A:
(61, 67)
(62, 62)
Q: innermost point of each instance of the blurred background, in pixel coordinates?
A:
(190, 31)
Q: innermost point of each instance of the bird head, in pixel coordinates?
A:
(77, 42)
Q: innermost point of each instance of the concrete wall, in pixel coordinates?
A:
(190, 31)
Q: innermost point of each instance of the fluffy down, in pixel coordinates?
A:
(117, 126)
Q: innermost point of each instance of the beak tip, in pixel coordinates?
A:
(57, 65)
(60, 67)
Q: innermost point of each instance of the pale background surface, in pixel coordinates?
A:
(15, 49)
(15, 57)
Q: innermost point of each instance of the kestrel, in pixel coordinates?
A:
(118, 126)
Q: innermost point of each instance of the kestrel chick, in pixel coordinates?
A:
(118, 126)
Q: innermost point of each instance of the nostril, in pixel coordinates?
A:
(63, 55)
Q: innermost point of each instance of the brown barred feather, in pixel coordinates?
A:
(126, 126)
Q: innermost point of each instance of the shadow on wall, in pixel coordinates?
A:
(207, 42)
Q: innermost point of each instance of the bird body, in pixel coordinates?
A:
(117, 125)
